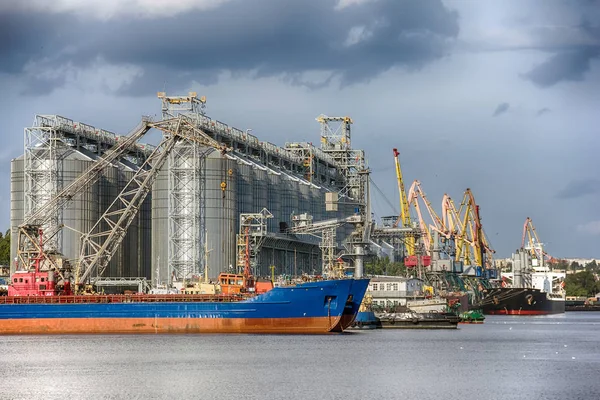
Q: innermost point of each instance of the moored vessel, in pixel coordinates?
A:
(311, 307)
(531, 288)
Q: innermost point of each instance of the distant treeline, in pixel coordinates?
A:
(5, 248)
(584, 283)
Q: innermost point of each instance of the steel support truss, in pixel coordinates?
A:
(253, 232)
(99, 245)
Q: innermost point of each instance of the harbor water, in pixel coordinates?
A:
(549, 357)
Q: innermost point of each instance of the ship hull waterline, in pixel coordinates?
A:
(521, 301)
(311, 325)
(308, 308)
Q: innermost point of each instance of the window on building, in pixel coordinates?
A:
(382, 286)
(374, 287)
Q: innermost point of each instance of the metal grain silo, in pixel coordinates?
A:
(220, 211)
(243, 187)
(17, 204)
(259, 187)
(274, 200)
(305, 198)
(160, 221)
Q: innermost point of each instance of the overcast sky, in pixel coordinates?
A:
(499, 96)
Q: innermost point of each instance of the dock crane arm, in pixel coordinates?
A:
(29, 245)
(101, 242)
(404, 213)
(531, 235)
(404, 218)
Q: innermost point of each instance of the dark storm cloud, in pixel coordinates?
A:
(543, 111)
(501, 109)
(564, 66)
(574, 45)
(266, 37)
(579, 188)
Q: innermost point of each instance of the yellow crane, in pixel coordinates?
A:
(404, 217)
(531, 235)
(472, 238)
(414, 193)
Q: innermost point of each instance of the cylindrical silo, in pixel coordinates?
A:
(17, 204)
(160, 221)
(245, 203)
(287, 187)
(221, 212)
(259, 189)
(305, 198)
(274, 201)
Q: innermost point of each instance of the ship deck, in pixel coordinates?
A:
(117, 298)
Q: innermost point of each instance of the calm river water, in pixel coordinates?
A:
(531, 358)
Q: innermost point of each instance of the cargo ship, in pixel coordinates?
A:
(522, 301)
(531, 288)
(306, 308)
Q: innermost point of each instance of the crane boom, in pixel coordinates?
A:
(404, 217)
(414, 193)
(531, 235)
(404, 213)
(98, 246)
(29, 246)
(471, 226)
(91, 175)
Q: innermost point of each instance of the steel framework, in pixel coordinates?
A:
(44, 154)
(45, 216)
(253, 232)
(186, 202)
(336, 142)
(99, 245)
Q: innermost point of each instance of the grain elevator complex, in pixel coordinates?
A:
(207, 207)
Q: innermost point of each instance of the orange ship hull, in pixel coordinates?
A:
(309, 325)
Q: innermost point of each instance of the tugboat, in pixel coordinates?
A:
(404, 318)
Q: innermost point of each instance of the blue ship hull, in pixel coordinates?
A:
(312, 307)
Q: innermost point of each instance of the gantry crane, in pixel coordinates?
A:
(253, 232)
(100, 243)
(415, 192)
(31, 235)
(404, 217)
(472, 234)
(530, 234)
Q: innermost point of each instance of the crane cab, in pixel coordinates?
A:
(32, 283)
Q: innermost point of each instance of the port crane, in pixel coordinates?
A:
(100, 243)
(472, 236)
(252, 234)
(415, 192)
(404, 217)
(531, 237)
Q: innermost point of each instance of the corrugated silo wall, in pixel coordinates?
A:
(160, 213)
(221, 212)
(17, 205)
(249, 189)
(220, 216)
(131, 258)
